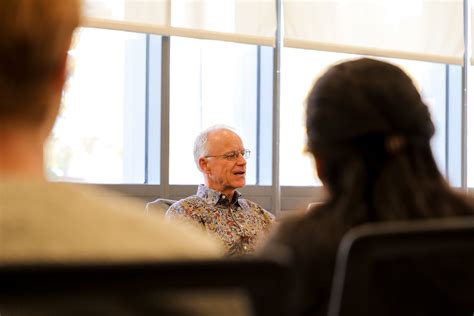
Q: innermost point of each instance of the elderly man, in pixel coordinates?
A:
(218, 206)
(58, 222)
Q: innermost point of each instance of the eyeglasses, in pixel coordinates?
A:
(233, 155)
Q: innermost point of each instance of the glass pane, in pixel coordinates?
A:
(470, 130)
(300, 68)
(145, 12)
(99, 135)
(210, 83)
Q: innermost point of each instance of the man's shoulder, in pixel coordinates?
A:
(190, 203)
(250, 205)
(85, 222)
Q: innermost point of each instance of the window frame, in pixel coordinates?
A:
(280, 200)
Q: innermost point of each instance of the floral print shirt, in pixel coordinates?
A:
(239, 223)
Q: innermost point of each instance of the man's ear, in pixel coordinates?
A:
(57, 85)
(61, 70)
(203, 164)
(319, 168)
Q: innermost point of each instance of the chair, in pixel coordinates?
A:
(158, 206)
(165, 288)
(423, 267)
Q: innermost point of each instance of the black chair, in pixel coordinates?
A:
(406, 268)
(217, 287)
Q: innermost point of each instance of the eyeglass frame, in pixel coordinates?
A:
(233, 155)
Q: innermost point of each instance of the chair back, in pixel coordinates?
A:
(423, 267)
(159, 206)
(212, 287)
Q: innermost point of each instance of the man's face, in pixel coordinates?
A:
(223, 174)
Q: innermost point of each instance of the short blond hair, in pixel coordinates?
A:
(34, 34)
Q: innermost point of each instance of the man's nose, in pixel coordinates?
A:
(241, 160)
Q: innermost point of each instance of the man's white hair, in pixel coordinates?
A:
(200, 144)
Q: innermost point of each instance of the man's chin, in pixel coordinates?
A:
(238, 183)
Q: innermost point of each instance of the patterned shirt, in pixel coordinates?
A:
(239, 223)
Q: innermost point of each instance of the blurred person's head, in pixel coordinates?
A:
(34, 40)
(370, 132)
(220, 155)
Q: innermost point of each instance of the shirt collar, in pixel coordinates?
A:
(214, 197)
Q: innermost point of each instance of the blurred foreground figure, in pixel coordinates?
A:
(57, 222)
(369, 132)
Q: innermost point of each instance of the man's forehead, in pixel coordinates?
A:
(224, 138)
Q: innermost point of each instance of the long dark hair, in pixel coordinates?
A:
(370, 130)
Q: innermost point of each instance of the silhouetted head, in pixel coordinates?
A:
(34, 39)
(364, 109)
(370, 132)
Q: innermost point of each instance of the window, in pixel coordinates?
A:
(470, 132)
(111, 129)
(210, 83)
(99, 135)
(301, 67)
